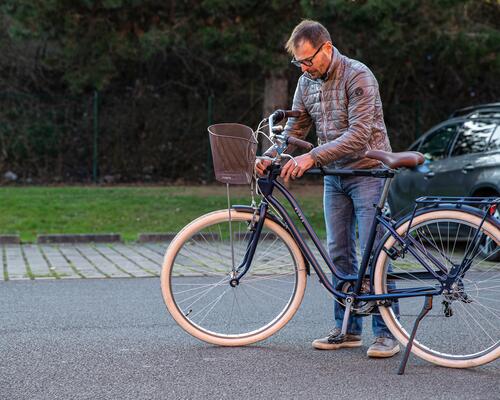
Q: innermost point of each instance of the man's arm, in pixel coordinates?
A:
(299, 126)
(362, 94)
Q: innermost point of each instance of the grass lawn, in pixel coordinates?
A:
(29, 211)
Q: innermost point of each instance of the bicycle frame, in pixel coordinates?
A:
(268, 184)
(236, 276)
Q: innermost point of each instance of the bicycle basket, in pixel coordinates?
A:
(233, 151)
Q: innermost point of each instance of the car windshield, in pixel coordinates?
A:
(495, 139)
(494, 113)
(473, 137)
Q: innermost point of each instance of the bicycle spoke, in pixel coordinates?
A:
(202, 295)
(231, 314)
(477, 323)
(212, 304)
(271, 295)
(199, 286)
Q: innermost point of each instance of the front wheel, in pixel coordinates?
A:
(463, 328)
(197, 270)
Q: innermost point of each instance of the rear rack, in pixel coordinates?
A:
(476, 201)
(488, 204)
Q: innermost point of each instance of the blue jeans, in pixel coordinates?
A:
(347, 201)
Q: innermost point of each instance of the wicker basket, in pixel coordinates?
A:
(233, 151)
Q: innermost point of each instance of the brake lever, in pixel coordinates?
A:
(290, 157)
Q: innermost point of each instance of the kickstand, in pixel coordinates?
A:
(427, 307)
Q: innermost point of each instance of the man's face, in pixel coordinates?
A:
(320, 60)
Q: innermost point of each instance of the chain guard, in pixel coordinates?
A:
(359, 307)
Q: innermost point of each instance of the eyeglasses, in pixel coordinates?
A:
(308, 62)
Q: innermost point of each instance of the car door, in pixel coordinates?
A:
(412, 183)
(437, 176)
(446, 176)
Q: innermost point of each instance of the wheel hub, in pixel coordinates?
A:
(456, 291)
(234, 282)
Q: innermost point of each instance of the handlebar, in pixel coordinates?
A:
(326, 171)
(280, 142)
(376, 173)
(279, 115)
(299, 143)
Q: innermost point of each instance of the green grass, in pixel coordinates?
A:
(29, 211)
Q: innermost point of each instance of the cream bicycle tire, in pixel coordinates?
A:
(292, 280)
(474, 303)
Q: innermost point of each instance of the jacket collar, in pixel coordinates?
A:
(336, 65)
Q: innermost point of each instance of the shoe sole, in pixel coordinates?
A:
(336, 346)
(383, 354)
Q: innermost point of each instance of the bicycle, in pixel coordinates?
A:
(234, 277)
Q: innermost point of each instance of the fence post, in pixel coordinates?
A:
(96, 135)
(417, 120)
(210, 120)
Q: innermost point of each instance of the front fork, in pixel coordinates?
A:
(256, 228)
(266, 186)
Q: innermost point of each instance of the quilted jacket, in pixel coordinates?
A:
(346, 110)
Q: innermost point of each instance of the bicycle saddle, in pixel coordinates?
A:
(408, 159)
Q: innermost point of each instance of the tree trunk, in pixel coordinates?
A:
(275, 97)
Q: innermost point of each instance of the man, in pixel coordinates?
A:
(340, 97)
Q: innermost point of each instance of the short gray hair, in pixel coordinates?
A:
(309, 30)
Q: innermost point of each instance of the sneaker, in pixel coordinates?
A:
(335, 341)
(383, 347)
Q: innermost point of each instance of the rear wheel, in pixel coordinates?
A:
(463, 328)
(196, 275)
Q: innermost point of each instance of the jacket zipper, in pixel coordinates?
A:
(325, 139)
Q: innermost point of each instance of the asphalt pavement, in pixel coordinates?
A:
(114, 339)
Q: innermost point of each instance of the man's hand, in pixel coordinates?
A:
(291, 170)
(261, 165)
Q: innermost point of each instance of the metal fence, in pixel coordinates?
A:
(160, 135)
(47, 137)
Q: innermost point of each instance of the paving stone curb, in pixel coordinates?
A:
(150, 237)
(155, 237)
(169, 236)
(80, 238)
(10, 239)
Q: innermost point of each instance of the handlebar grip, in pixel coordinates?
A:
(292, 113)
(279, 115)
(299, 143)
(315, 171)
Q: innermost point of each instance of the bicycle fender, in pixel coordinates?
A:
(251, 210)
(452, 207)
